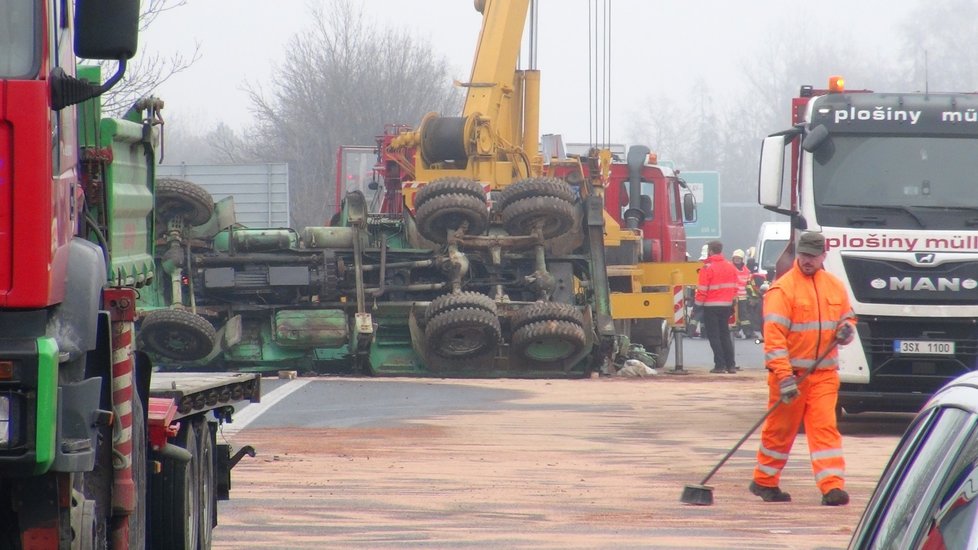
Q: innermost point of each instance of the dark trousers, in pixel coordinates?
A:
(718, 332)
(745, 318)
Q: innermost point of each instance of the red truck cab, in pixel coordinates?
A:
(663, 204)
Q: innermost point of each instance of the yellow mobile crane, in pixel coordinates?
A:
(554, 206)
(492, 151)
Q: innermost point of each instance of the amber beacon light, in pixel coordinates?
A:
(837, 84)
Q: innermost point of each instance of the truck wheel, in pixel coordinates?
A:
(554, 216)
(175, 504)
(445, 213)
(655, 336)
(208, 497)
(548, 341)
(137, 520)
(177, 334)
(461, 300)
(447, 186)
(535, 187)
(462, 333)
(179, 198)
(546, 311)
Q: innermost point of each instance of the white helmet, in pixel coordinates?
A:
(738, 254)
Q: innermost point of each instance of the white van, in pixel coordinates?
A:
(771, 241)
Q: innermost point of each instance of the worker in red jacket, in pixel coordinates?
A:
(806, 314)
(716, 291)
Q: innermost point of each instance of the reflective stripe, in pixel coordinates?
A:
(773, 454)
(828, 453)
(716, 303)
(804, 327)
(769, 470)
(830, 472)
(777, 319)
(775, 354)
(825, 363)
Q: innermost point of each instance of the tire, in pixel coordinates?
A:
(548, 341)
(205, 476)
(449, 212)
(179, 198)
(175, 505)
(448, 186)
(555, 215)
(448, 302)
(650, 334)
(137, 520)
(535, 187)
(546, 311)
(177, 334)
(462, 333)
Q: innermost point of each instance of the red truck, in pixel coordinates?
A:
(96, 451)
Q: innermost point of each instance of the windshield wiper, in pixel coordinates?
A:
(877, 220)
(970, 222)
(954, 208)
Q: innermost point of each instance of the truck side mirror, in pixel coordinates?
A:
(106, 29)
(815, 138)
(689, 208)
(771, 175)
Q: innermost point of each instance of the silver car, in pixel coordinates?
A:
(927, 497)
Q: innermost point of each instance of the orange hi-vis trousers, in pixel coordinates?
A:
(815, 406)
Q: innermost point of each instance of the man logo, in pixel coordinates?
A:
(925, 257)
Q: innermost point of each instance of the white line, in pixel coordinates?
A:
(254, 410)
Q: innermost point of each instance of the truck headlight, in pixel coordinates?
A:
(10, 428)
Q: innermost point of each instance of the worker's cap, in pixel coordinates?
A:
(738, 254)
(812, 244)
(704, 252)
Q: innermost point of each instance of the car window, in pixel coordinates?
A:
(923, 463)
(955, 521)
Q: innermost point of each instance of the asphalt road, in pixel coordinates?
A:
(596, 463)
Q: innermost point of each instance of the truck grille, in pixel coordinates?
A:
(880, 281)
(917, 373)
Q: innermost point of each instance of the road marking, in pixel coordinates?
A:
(254, 410)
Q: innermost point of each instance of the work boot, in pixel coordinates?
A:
(718, 370)
(775, 494)
(835, 497)
(732, 370)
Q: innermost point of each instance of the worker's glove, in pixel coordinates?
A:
(844, 333)
(788, 389)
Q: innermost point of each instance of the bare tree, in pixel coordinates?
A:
(343, 80)
(148, 70)
(939, 46)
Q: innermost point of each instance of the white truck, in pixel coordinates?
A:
(772, 238)
(889, 179)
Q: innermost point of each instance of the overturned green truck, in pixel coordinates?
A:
(453, 287)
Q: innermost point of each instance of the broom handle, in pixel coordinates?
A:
(774, 407)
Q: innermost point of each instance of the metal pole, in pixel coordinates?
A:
(680, 320)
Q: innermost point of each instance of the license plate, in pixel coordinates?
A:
(923, 347)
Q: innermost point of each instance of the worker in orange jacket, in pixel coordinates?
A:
(806, 313)
(716, 290)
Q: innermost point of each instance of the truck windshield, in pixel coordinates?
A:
(908, 182)
(19, 35)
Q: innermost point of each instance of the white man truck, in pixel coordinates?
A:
(889, 179)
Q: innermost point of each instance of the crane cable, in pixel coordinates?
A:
(599, 73)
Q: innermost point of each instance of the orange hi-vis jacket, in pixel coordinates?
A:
(801, 316)
(718, 282)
